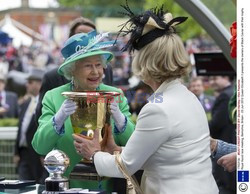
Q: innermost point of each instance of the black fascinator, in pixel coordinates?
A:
(147, 26)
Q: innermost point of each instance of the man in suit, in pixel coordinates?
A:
(196, 86)
(222, 128)
(52, 79)
(28, 161)
(8, 101)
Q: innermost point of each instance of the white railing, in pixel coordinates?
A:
(8, 133)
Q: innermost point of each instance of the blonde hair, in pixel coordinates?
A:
(163, 59)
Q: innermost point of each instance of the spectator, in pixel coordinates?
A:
(226, 152)
(8, 101)
(222, 128)
(137, 97)
(196, 86)
(28, 161)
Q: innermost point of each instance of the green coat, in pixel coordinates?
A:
(46, 139)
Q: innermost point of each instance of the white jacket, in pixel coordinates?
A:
(171, 143)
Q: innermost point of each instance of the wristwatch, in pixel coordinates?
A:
(92, 156)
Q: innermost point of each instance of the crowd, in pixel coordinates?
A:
(208, 121)
(15, 64)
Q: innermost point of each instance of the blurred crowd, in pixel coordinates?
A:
(16, 63)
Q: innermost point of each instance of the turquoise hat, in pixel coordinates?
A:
(84, 45)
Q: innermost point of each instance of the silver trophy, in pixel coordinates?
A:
(56, 162)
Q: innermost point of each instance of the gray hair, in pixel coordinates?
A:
(68, 71)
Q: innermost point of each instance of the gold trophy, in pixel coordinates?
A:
(90, 117)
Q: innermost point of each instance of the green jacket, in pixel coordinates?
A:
(46, 139)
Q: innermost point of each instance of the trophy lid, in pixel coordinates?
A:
(56, 161)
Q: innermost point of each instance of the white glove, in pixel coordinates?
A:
(119, 118)
(67, 108)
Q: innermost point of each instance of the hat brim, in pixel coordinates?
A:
(108, 56)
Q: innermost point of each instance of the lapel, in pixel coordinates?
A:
(23, 108)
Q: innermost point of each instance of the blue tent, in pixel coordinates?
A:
(4, 38)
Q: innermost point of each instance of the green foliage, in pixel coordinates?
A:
(110, 8)
(223, 9)
(8, 122)
(101, 8)
(100, 3)
(225, 13)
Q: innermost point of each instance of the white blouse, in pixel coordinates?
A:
(171, 143)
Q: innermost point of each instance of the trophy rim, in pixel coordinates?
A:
(99, 93)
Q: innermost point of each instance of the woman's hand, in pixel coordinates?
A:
(108, 144)
(86, 147)
(119, 118)
(67, 108)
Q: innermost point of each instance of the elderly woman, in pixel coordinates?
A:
(84, 65)
(171, 140)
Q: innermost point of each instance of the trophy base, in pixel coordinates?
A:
(51, 192)
(85, 170)
(53, 185)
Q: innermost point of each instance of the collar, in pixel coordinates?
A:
(166, 84)
(72, 86)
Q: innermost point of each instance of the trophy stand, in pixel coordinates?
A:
(85, 171)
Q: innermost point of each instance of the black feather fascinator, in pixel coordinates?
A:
(147, 26)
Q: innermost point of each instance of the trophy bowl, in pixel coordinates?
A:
(92, 115)
(92, 111)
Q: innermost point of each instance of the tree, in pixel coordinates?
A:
(189, 29)
(226, 13)
(111, 8)
(98, 8)
(224, 9)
